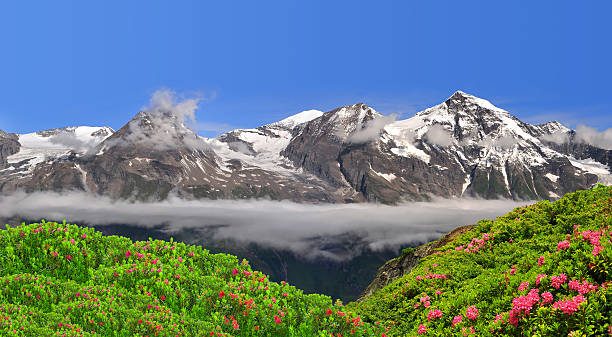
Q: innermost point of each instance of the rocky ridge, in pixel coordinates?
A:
(464, 146)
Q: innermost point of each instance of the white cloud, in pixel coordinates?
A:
(165, 101)
(583, 134)
(164, 124)
(505, 142)
(371, 130)
(306, 229)
(557, 137)
(438, 135)
(589, 135)
(70, 140)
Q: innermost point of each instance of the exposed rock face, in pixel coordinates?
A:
(464, 146)
(400, 266)
(9, 144)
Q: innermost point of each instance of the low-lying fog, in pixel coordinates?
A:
(305, 229)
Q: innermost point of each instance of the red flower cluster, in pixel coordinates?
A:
(433, 314)
(471, 312)
(569, 306)
(539, 279)
(522, 305)
(594, 238)
(422, 329)
(433, 276)
(563, 245)
(547, 297)
(557, 281)
(583, 287)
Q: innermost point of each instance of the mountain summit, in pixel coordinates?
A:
(464, 146)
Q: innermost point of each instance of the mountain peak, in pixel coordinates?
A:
(465, 99)
(161, 130)
(358, 111)
(299, 118)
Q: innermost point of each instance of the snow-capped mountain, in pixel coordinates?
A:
(21, 155)
(464, 146)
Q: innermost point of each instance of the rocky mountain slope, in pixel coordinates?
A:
(402, 265)
(464, 146)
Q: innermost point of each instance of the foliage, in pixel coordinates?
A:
(58, 279)
(540, 270)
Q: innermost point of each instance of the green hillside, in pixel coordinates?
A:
(541, 270)
(64, 280)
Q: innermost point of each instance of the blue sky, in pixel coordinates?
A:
(97, 62)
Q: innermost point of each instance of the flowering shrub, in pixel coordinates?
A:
(64, 280)
(471, 312)
(543, 269)
(433, 314)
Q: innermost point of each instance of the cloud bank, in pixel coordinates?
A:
(557, 137)
(70, 140)
(589, 135)
(306, 229)
(583, 134)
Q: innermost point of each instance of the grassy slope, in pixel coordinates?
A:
(486, 271)
(58, 279)
(65, 280)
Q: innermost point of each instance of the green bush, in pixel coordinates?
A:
(58, 279)
(488, 268)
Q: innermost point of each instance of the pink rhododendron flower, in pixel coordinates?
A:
(581, 287)
(422, 329)
(433, 314)
(471, 312)
(457, 320)
(547, 297)
(523, 286)
(539, 279)
(569, 306)
(597, 250)
(592, 236)
(563, 245)
(540, 261)
(557, 281)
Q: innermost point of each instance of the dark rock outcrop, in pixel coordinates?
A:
(400, 266)
(9, 144)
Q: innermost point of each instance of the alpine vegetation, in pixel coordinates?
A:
(540, 270)
(58, 279)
